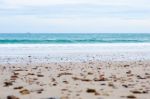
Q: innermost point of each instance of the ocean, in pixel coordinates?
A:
(73, 38)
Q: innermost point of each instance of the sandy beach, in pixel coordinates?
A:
(121, 73)
(76, 80)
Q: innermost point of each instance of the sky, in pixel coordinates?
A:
(75, 16)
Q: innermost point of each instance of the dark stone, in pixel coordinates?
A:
(12, 97)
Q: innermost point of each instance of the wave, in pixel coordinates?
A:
(68, 41)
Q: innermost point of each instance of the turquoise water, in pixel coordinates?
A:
(66, 38)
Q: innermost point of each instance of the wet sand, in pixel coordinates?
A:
(76, 80)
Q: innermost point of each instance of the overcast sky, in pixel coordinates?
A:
(100, 16)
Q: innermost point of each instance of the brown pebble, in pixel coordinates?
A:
(6, 84)
(61, 74)
(140, 77)
(131, 96)
(126, 65)
(136, 92)
(87, 80)
(40, 91)
(39, 75)
(31, 74)
(12, 97)
(126, 86)
(90, 73)
(128, 72)
(20, 87)
(25, 92)
(91, 90)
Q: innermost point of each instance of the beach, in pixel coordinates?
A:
(101, 71)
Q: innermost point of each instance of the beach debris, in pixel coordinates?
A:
(84, 79)
(20, 87)
(15, 73)
(89, 90)
(101, 78)
(90, 73)
(126, 65)
(111, 84)
(19, 70)
(145, 91)
(31, 74)
(125, 86)
(136, 92)
(12, 97)
(8, 83)
(66, 82)
(139, 92)
(140, 77)
(64, 89)
(147, 73)
(25, 92)
(61, 74)
(76, 78)
(128, 72)
(40, 91)
(54, 84)
(40, 75)
(13, 77)
(131, 96)
(52, 98)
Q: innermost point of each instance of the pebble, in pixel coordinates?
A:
(12, 97)
(91, 90)
(25, 92)
(9, 83)
(131, 96)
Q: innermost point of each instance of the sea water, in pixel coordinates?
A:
(73, 38)
(45, 47)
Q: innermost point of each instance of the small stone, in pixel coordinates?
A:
(126, 65)
(12, 97)
(39, 75)
(140, 77)
(90, 73)
(25, 92)
(66, 82)
(16, 73)
(31, 74)
(40, 91)
(128, 72)
(8, 83)
(131, 96)
(61, 74)
(76, 78)
(100, 79)
(136, 92)
(91, 90)
(126, 86)
(111, 84)
(145, 92)
(13, 77)
(87, 80)
(20, 87)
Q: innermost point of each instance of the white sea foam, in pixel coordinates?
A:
(73, 52)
